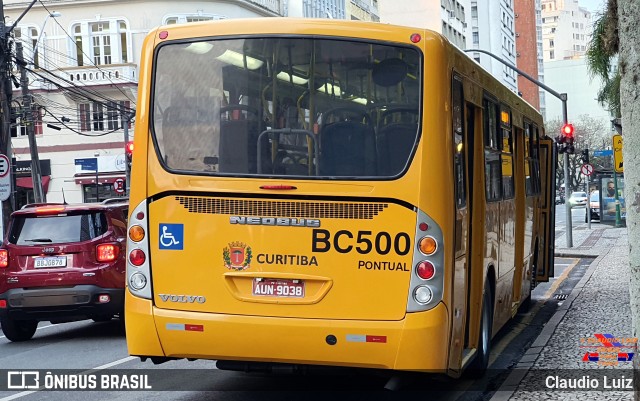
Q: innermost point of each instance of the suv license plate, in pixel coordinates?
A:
(282, 288)
(56, 261)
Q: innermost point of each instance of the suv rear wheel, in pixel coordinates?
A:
(18, 330)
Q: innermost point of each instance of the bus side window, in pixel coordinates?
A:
(492, 152)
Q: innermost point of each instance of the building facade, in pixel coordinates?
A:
(363, 10)
(528, 59)
(566, 29)
(84, 82)
(498, 38)
(448, 18)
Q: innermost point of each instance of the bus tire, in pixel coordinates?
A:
(479, 365)
(18, 330)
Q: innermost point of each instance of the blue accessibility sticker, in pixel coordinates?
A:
(171, 236)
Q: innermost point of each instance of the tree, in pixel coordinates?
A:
(629, 67)
(601, 53)
(590, 133)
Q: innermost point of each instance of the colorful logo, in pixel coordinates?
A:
(237, 256)
(609, 349)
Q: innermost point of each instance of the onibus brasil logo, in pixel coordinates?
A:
(608, 349)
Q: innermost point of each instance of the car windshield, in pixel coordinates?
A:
(60, 229)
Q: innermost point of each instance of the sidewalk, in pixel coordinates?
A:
(599, 304)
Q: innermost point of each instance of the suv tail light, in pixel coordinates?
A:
(4, 258)
(107, 252)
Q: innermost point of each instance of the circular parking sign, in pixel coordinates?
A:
(118, 185)
(5, 178)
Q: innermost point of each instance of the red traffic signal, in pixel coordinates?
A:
(128, 148)
(567, 130)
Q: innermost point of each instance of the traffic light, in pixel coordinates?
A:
(584, 155)
(128, 150)
(565, 139)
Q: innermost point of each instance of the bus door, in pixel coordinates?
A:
(462, 221)
(546, 227)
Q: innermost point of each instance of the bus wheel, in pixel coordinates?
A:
(481, 362)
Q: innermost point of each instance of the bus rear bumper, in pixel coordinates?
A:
(419, 342)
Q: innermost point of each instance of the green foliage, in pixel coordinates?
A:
(601, 52)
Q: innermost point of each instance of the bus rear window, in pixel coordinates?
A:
(302, 107)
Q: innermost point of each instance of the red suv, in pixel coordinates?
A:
(62, 263)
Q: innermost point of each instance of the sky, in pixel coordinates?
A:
(593, 5)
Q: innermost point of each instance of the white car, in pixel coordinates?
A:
(578, 199)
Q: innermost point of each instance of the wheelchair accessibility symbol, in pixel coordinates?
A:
(171, 236)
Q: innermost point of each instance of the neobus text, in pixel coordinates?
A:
(274, 221)
(365, 242)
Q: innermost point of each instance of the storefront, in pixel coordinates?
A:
(23, 184)
(98, 184)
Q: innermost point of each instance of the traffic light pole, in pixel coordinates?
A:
(565, 120)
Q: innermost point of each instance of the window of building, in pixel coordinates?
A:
(98, 116)
(185, 18)
(476, 38)
(552, 55)
(19, 123)
(101, 42)
(551, 43)
(474, 11)
(28, 35)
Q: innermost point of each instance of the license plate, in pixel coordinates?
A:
(282, 288)
(54, 261)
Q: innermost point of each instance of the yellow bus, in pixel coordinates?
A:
(325, 192)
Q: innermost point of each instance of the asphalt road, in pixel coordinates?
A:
(86, 345)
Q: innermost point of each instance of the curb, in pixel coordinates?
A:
(510, 385)
(575, 255)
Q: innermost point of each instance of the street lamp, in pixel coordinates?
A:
(53, 14)
(97, 188)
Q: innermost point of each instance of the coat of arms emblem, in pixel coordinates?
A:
(237, 256)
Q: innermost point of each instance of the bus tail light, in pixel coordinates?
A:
(138, 263)
(428, 245)
(427, 276)
(426, 270)
(4, 258)
(107, 252)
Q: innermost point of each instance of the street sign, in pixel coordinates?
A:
(603, 153)
(87, 164)
(118, 186)
(5, 178)
(586, 169)
(618, 166)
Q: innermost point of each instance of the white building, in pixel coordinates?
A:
(566, 29)
(91, 49)
(580, 89)
(448, 18)
(495, 36)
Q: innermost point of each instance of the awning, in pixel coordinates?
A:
(86, 179)
(27, 182)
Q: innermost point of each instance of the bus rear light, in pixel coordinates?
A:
(4, 258)
(140, 215)
(423, 227)
(136, 233)
(3, 303)
(423, 295)
(137, 281)
(428, 246)
(137, 257)
(278, 187)
(426, 270)
(107, 252)
(415, 38)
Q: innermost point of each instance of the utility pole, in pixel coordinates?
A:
(5, 108)
(126, 119)
(27, 117)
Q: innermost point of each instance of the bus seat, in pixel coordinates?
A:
(397, 136)
(239, 130)
(347, 143)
